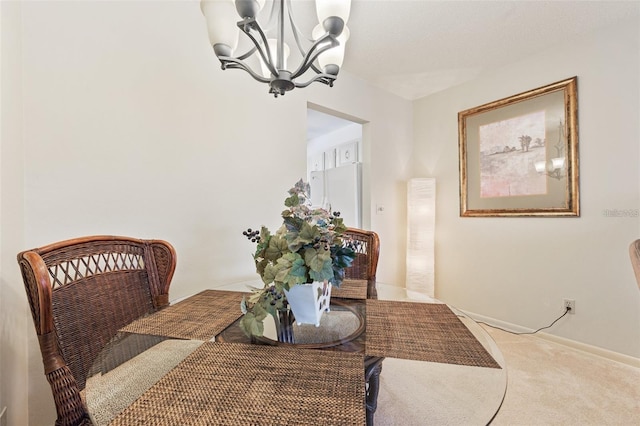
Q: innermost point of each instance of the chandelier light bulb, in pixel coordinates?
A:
(249, 8)
(335, 55)
(273, 46)
(221, 25)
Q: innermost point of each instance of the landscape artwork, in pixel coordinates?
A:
(519, 155)
(509, 150)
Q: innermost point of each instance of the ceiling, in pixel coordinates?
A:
(419, 47)
(319, 123)
(415, 48)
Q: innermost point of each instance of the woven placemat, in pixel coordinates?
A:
(424, 332)
(201, 316)
(238, 384)
(351, 289)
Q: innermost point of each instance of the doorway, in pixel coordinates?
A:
(335, 164)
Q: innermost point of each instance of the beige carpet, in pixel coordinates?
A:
(552, 384)
(430, 393)
(548, 384)
(110, 393)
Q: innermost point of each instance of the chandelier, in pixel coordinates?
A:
(323, 56)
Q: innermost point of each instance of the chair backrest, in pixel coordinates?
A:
(634, 253)
(81, 292)
(367, 247)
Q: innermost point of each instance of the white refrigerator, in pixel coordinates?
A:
(339, 189)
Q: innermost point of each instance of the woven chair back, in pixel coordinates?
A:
(81, 292)
(367, 247)
(634, 253)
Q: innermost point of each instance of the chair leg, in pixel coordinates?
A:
(372, 376)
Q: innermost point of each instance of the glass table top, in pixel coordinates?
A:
(410, 391)
(343, 323)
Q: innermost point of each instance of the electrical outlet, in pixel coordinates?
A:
(571, 304)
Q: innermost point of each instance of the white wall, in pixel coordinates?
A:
(131, 128)
(518, 270)
(15, 319)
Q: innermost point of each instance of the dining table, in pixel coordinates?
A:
(403, 358)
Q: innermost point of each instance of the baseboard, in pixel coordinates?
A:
(594, 350)
(604, 353)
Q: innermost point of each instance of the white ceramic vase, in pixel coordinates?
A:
(309, 301)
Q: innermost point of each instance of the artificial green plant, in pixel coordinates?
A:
(307, 247)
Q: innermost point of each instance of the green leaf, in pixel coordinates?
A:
(294, 236)
(338, 276)
(260, 312)
(316, 259)
(265, 236)
(340, 228)
(291, 269)
(326, 273)
(283, 274)
(277, 246)
(292, 201)
(269, 274)
(261, 265)
(342, 256)
(319, 263)
(308, 233)
(251, 326)
(299, 269)
(255, 297)
(264, 232)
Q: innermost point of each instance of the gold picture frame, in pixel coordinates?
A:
(519, 155)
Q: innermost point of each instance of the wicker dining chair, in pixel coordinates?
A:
(634, 254)
(367, 247)
(366, 244)
(81, 291)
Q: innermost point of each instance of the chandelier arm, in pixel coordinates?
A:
(315, 69)
(266, 58)
(246, 55)
(273, 17)
(234, 63)
(297, 34)
(280, 48)
(327, 79)
(313, 54)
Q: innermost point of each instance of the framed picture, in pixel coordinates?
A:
(348, 153)
(519, 155)
(317, 162)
